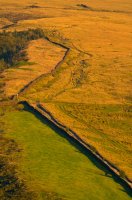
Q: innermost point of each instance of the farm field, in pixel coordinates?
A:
(81, 72)
(53, 166)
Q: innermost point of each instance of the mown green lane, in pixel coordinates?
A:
(51, 162)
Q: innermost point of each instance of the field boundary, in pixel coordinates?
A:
(13, 97)
(45, 113)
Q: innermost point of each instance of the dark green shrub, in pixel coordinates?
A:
(122, 174)
(20, 107)
(12, 45)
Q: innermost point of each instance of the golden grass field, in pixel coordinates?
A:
(91, 91)
(42, 57)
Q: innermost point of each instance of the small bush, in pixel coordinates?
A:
(20, 107)
(122, 174)
(93, 148)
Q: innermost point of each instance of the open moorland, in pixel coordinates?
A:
(80, 69)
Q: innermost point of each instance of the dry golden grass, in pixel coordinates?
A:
(42, 57)
(4, 22)
(96, 75)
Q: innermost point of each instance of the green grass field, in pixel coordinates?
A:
(54, 167)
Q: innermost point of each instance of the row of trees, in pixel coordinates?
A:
(12, 45)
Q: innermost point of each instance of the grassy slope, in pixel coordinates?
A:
(42, 57)
(50, 163)
(101, 81)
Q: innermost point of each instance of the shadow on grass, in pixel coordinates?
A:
(80, 148)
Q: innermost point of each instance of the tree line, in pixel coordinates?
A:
(12, 45)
